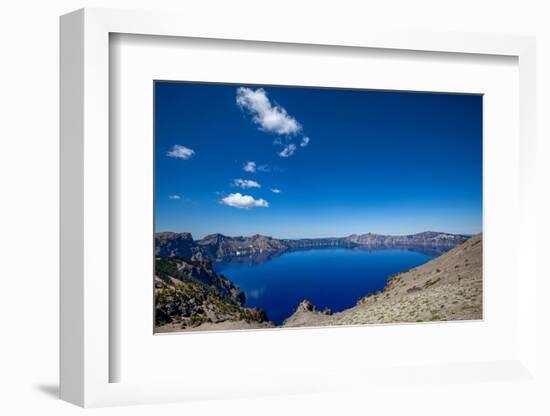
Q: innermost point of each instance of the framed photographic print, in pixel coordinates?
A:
(283, 207)
(282, 212)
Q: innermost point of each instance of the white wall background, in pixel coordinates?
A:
(29, 209)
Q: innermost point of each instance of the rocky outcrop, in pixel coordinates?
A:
(217, 247)
(203, 272)
(168, 244)
(305, 313)
(305, 306)
(189, 294)
(449, 287)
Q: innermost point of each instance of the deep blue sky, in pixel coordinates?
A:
(377, 161)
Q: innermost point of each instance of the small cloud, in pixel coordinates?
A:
(243, 201)
(276, 191)
(246, 183)
(174, 197)
(288, 150)
(250, 167)
(305, 141)
(180, 152)
(269, 117)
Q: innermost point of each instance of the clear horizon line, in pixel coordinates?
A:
(317, 238)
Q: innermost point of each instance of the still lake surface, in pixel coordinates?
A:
(334, 278)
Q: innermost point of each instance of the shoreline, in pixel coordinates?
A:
(417, 295)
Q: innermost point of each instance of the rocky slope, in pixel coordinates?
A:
(216, 247)
(446, 288)
(190, 295)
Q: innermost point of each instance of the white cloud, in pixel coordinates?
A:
(276, 191)
(288, 150)
(246, 183)
(250, 167)
(270, 118)
(243, 201)
(174, 197)
(305, 141)
(180, 152)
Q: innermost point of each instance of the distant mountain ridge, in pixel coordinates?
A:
(215, 247)
(430, 238)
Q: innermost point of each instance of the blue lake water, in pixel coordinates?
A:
(334, 278)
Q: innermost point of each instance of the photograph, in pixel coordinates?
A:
(291, 206)
(242, 208)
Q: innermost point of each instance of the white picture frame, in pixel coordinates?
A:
(85, 205)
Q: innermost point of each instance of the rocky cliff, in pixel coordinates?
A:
(168, 244)
(190, 295)
(218, 246)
